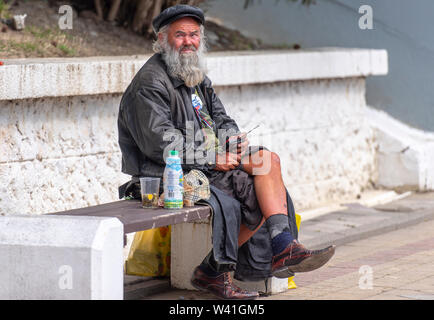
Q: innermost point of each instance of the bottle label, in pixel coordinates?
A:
(174, 187)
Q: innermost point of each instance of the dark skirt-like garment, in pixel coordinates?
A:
(233, 201)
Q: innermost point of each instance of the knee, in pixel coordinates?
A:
(275, 159)
(270, 161)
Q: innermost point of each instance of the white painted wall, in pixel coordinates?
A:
(405, 154)
(59, 150)
(60, 257)
(319, 130)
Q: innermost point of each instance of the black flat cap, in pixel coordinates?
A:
(177, 12)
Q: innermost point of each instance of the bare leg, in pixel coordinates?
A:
(245, 233)
(269, 187)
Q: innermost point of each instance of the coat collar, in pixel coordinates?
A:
(176, 82)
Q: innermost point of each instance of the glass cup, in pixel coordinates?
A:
(149, 188)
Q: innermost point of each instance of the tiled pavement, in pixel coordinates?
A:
(399, 264)
(386, 252)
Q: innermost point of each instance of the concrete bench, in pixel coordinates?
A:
(190, 236)
(60, 257)
(78, 254)
(136, 218)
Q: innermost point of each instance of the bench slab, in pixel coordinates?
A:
(136, 218)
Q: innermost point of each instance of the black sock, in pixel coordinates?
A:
(279, 232)
(280, 242)
(206, 267)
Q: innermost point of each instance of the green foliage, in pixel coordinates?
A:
(26, 47)
(40, 42)
(39, 32)
(4, 10)
(66, 50)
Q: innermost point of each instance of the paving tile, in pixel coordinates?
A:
(401, 260)
(401, 294)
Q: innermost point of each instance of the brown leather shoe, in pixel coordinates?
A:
(221, 286)
(296, 258)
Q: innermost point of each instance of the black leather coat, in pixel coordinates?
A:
(154, 104)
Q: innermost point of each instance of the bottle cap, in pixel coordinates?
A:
(173, 153)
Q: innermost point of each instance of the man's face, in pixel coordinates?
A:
(184, 35)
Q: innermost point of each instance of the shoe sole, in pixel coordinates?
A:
(309, 264)
(283, 272)
(218, 297)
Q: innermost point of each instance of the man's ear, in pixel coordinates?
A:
(161, 37)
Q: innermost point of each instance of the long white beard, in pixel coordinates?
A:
(189, 67)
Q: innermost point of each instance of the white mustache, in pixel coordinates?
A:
(187, 66)
(193, 48)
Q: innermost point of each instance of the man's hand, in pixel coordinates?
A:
(226, 161)
(237, 149)
(238, 144)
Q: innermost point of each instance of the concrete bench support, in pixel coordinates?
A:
(61, 257)
(191, 242)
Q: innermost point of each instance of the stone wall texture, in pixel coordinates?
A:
(59, 146)
(62, 153)
(319, 130)
(58, 153)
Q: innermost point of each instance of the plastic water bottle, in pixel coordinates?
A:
(173, 182)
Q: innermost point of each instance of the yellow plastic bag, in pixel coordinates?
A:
(291, 283)
(149, 254)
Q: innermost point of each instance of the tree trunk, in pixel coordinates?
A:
(138, 14)
(141, 15)
(98, 9)
(155, 12)
(114, 9)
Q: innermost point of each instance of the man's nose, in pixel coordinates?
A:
(187, 41)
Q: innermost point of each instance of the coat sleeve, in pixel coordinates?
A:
(149, 120)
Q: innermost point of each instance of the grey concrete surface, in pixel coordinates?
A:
(359, 222)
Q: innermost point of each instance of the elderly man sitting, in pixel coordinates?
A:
(171, 105)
